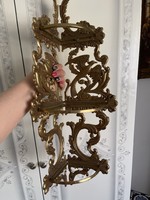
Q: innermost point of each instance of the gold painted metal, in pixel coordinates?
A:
(87, 92)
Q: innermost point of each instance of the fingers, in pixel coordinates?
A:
(58, 73)
(57, 66)
(62, 84)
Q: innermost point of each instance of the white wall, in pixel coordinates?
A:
(141, 153)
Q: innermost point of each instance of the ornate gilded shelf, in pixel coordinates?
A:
(86, 92)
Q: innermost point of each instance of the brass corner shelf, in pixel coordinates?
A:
(86, 92)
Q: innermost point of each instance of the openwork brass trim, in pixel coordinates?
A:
(87, 92)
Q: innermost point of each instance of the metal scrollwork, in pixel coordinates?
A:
(86, 92)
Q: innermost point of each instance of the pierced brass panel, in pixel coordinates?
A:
(87, 92)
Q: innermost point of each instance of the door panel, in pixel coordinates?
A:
(12, 68)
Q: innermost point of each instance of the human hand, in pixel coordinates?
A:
(59, 75)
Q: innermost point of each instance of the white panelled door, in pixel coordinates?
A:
(25, 170)
(22, 153)
(22, 150)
